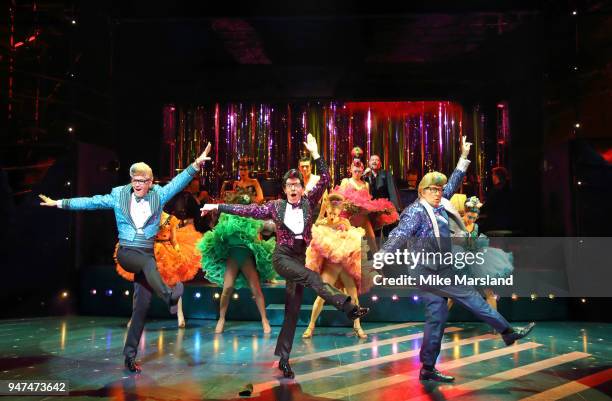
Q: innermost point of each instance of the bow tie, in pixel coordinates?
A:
(295, 206)
(147, 197)
(438, 210)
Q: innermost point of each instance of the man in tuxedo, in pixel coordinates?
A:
(294, 219)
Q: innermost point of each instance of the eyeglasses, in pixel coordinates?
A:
(294, 186)
(138, 181)
(434, 190)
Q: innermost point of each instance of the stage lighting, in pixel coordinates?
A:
(127, 292)
(197, 295)
(216, 296)
(235, 296)
(394, 297)
(65, 294)
(374, 298)
(109, 292)
(415, 297)
(93, 291)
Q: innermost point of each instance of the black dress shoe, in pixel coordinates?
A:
(177, 293)
(284, 366)
(357, 312)
(131, 365)
(517, 334)
(435, 375)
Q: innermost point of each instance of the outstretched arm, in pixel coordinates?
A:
(455, 180)
(314, 196)
(260, 212)
(180, 181)
(97, 202)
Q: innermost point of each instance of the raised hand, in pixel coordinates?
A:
(204, 156)
(46, 201)
(311, 146)
(465, 147)
(208, 207)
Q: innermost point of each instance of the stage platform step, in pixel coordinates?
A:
(103, 292)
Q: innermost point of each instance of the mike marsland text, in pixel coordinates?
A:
(434, 280)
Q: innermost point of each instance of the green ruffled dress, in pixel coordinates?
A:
(237, 237)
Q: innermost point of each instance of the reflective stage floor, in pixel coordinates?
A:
(558, 361)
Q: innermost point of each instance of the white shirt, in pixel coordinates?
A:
(140, 213)
(462, 165)
(294, 219)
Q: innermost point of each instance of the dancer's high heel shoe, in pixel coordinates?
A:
(308, 332)
(266, 326)
(220, 326)
(360, 333)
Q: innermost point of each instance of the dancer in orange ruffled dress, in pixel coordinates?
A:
(335, 253)
(175, 264)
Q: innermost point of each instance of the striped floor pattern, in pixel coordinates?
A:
(558, 361)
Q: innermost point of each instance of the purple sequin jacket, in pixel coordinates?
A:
(275, 209)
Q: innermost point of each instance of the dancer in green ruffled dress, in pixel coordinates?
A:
(234, 255)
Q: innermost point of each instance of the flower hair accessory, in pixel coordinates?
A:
(357, 152)
(473, 204)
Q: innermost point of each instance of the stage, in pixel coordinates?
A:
(558, 361)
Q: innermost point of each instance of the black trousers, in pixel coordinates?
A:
(141, 262)
(289, 263)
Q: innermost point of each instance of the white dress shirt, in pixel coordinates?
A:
(294, 219)
(140, 213)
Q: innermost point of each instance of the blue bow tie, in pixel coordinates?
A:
(438, 210)
(147, 197)
(295, 206)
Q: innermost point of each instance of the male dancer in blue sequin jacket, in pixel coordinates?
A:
(426, 224)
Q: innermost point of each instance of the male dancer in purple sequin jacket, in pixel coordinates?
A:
(294, 219)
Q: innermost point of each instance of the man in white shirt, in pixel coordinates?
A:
(138, 207)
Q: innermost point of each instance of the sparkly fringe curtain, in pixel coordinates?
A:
(409, 136)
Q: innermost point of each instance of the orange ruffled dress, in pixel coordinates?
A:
(187, 237)
(340, 244)
(173, 265)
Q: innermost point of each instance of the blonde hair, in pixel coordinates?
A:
(432, 178)
(458, 202)
(141, 168)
